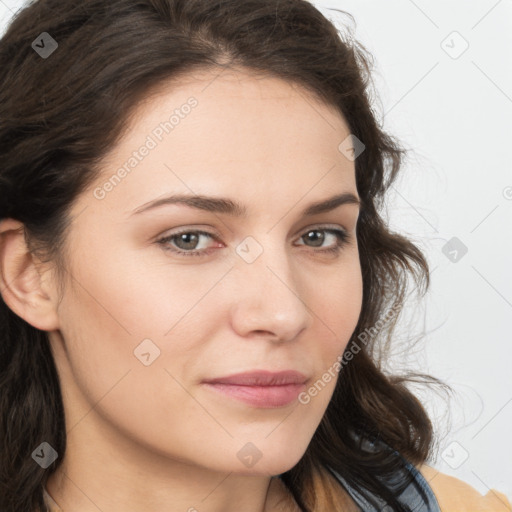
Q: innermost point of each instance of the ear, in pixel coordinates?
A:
(24, 288)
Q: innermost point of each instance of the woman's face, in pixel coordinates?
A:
(142, 326)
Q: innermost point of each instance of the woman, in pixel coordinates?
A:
(194, 271)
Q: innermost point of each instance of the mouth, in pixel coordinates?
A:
(260, 388)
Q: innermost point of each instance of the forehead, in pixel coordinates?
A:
(230, 132)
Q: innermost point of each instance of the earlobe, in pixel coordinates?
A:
(21, 283)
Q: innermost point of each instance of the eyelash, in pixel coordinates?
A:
(341, 235)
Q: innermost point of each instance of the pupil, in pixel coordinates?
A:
(184, 236)
(318, 238)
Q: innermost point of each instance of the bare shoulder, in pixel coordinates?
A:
(455, 495)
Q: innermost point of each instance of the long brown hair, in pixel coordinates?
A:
(60, 113)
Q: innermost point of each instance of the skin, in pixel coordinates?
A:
(153, 437)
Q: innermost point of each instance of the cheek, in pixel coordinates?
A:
(108, 375)
(337, 303)
(137, 294)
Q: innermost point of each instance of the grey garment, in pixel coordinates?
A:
(416, 497)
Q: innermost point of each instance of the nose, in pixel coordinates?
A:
(268, 301)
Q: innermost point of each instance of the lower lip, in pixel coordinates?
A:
(260, 396)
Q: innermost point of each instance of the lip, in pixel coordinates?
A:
(261, 378)
(261, 388)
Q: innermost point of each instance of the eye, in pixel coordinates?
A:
(187, 240)
(185, 243)
(341, 237)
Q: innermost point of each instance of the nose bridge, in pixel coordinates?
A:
(268, 290)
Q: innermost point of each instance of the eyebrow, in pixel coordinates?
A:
(229, 207)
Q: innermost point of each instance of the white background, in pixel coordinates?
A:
(454, 111)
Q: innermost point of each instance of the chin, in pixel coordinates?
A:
(270, 465)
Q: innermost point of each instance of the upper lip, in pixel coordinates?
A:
(261, 378)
